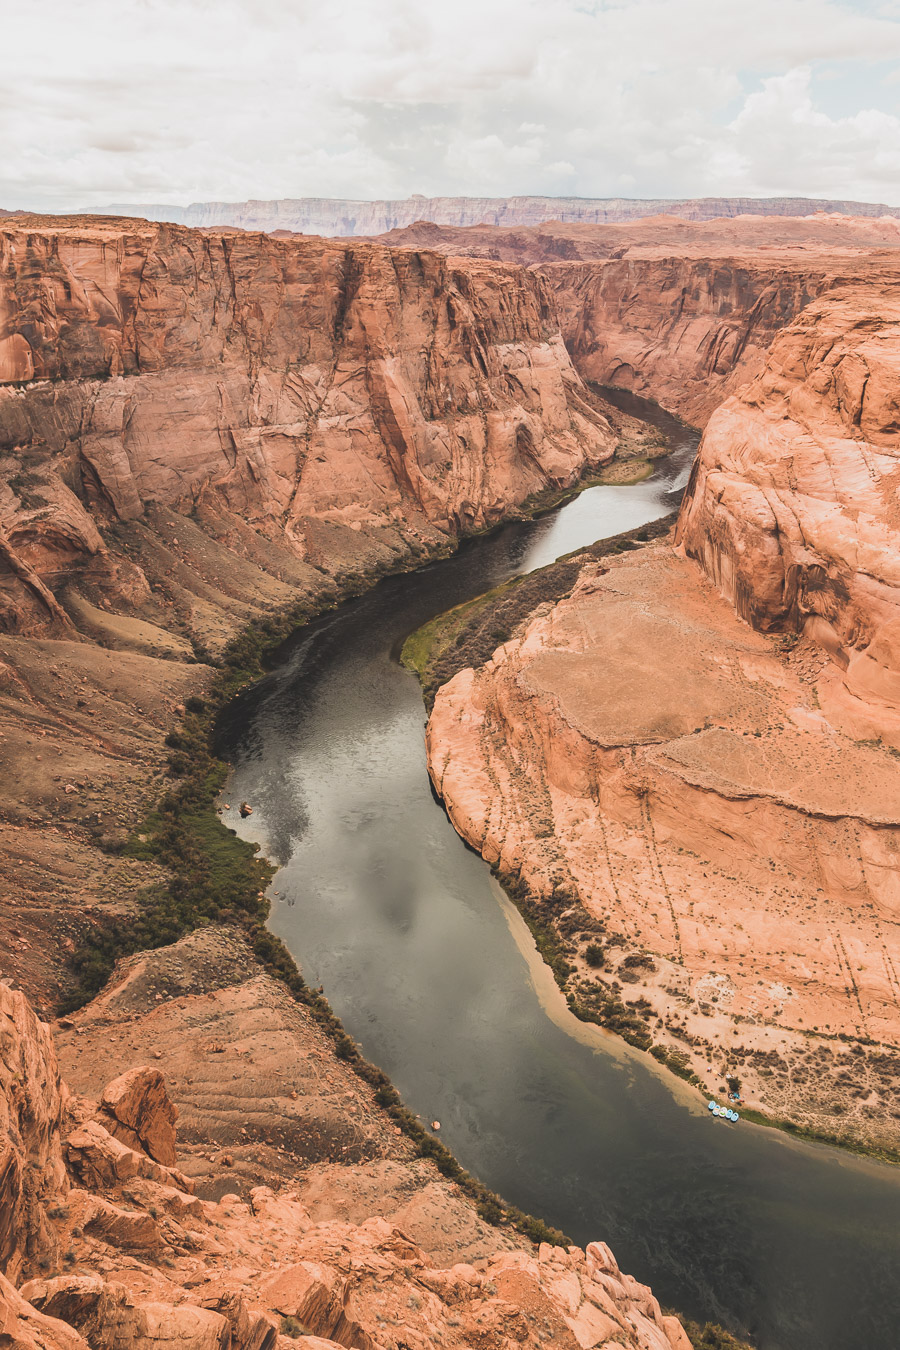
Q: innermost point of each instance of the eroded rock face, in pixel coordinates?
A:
(24, 1327)
(685, 331)
(792, 507)
(32, 1174)
(302, 384)
(680, 311)
(139, 1113)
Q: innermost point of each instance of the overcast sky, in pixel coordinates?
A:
(173, 101)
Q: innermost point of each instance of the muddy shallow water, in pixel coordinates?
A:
(435, 975)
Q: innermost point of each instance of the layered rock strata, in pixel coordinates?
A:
(143, 1255)
(681, 312)
(312, 390)
(323, 215)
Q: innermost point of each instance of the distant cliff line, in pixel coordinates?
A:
(332, 216)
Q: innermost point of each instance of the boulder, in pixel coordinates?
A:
(137, 1110)
(133, 1230)
(251, 1329)
(109, 1319)
(101, 1312)
(164, 1327)
(23, 1327)
(100, 1160)
(309, 1291)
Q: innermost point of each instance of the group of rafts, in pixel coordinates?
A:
(723, 1112)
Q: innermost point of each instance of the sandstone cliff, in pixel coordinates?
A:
(680, 311)
(792, 509)
(134, 1253)
(310, 389)
(321, 215)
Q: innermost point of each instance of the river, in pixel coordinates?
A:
(794, 1245)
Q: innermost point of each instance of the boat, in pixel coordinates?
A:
(723, 1112)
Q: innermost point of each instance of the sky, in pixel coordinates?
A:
(174, 101)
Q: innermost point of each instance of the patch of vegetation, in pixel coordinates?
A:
(293, 1327)
(621, 473)
(711, 1336)
(816, 1135)
(468, 635)
(604, 1008)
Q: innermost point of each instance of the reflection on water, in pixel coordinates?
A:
(422, 958)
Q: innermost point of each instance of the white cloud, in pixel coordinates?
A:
(186, 100)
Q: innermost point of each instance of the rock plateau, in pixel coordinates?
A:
(322, 215)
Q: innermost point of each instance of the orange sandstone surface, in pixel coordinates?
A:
(200, 430)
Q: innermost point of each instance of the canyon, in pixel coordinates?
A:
(203, 431)
(197, 434)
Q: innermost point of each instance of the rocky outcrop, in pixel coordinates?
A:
(23, 1327)
(138, 1112)
(792, 512)
(323, 215)
(147, 1263)
(32, 1174)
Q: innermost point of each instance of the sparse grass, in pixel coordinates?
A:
(469, 634)
(711, 1336)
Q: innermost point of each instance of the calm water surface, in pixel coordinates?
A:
(433, 972)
